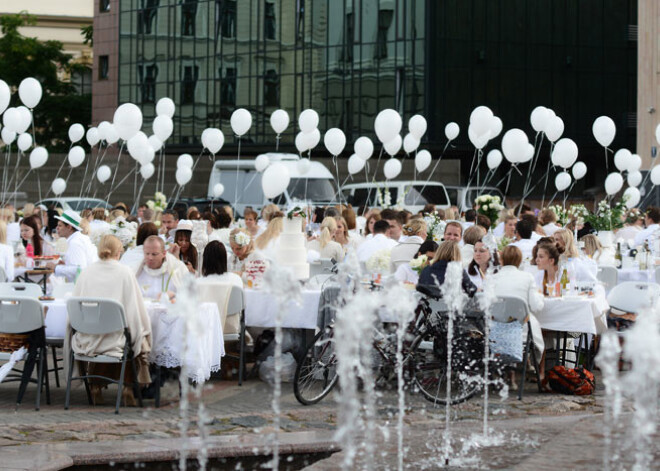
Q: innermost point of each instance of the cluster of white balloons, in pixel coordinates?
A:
(309, 136)
(544, 120)
(17, 120)
(184, 171)
(484, 126)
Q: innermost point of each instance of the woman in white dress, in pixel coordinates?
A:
(583, 269)
(214, 267)
(481, 262)
(325, 244)
(248, 263)
(268, 240)
(6, 253)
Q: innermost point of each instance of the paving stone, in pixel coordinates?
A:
(250, 421)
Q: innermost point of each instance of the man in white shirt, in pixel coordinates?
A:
(396, 220)
(379, 241)
(168, 221)
(159, 272)
(524, 231)
(652, 221)
(80, 252)
(470, 219)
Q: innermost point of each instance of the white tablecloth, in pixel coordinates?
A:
(205, 344)
(635, 274)
(574, 314)
(261, 309)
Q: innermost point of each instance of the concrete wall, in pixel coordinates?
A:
(648, 85)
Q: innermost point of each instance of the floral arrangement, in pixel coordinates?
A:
(562, 214)
(435, 227)
(125, 231)
(242, 239)
(379, 262)
(607, 217)
(158, 203)
(419, 263)
(296, 212)
(577, 212)
(489, 206)
(503, 242)
(383, 198)
(633, 216)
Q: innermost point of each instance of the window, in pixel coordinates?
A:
(269, 20)
(423, 194)
(147, 78)
(146, 16)
(188, 83)
(104, 65)
(81, 78)
(347, 50)
(228, 88)
(188, 14)
(225, 25)
(104, 6)
(300, 19)
(271, 88)
(384, 23)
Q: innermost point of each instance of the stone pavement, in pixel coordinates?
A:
(543, 429)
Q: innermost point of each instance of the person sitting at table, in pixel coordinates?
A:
(247, 260)
(372, 218)
(548, 220)
(109, 279)
(214, 267)
(182, 248)
(159, 272)
(632, 226)
(220, 222)
(405, 274)
(547, 262)
(434, 274)
(379, 241)
(481, 262)
(595, 251)
(80, 252)
(524, 231)
(134, 255)
(325, 244)
(30, 235)
(471, 235)
(415, 232)
(583, 269)
(652, 222)
(6, 253)
(270, 237)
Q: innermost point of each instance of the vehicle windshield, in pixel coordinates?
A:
(420, 194)
(80, 204)
(312, 189)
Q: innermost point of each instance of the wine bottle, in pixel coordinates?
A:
(617, 256)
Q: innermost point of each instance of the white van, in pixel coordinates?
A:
(316, 187)
(407, 194)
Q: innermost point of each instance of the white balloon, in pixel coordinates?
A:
(394, 146)
(562, 181)
(7, 135)
(451, 131)
(579, 170)
(622, 159)
(529, 154)
(76, 156)
(214, 140)
(184, 161)
(308, 121)
(417, 126)
(92, 136)
(363, 148)
(12, 119)
(410, 143)
(218, 190)
(355, 164)
(334, 140)
(147, 171)
(514, 145)
(422, 160)
(148, 155)
(634, 178)
(495, 127)
(137, 144)
(554, 128)
(111, 135)
(25, 119)
(275, 180)
(392, 168)
(635, 163)
(163, 127)
(479, 141)
(5, 95)
(565, 153)
(657, 133)
(613, 183)
(480, 113)
(165, 107)
(183, 175)
(24, 142)
(301, 142)
(58, 186)
(632, 197)
(604, 130)
(312, 138)
(127, 120)
(103, 128)
(494, 159)
(241, 121)
(303, 166)
(103, 173)
(155, 143)
(38, 157)
(387, 125)
(539, 118)
(261, 162)
(655, 175)
(279, 121)
(30, 92)
(76, 132)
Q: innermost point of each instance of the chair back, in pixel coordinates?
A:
(321, 267)
(608, 276)
(3, 275)
(20, 314)
(397, 263)
(236, 303)
(62, 290)
(633, 296)
(96, 315)
(29, 290)
(657, 275)
(509, 309)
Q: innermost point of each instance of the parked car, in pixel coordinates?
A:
(202, 204)
(74, 203)
(416, 194)
(315, 187)
(463, 198)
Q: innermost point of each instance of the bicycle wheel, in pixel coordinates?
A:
(316, 374)
(428, 367)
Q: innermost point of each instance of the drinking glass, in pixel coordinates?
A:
(551, 290)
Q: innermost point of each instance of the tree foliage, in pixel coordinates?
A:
(61, 104)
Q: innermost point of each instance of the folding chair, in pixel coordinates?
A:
(3, 275)
(514, 309)
(29, 290)
(609, 276)
(633, 296)
(236, 307)
(97, 316)
(62, 290)
(657, 275)
(23, 315)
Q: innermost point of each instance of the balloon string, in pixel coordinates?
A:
(535, 161)
(139, 195)
(334, 160)
(552, 199)
(118, 184)
(197, 161)
(607, 166)
(82, 184)
(421, 192)
(38, 184)
(97, 164)
(545, 184)
(477, 152)
(277, 143)
(374, 177)
(530, 190)
(15, 176)
(7, 185)
(5, 174)
(173, 192)
(24, 177)
(647, 196)
(487, 178)
(238, 159)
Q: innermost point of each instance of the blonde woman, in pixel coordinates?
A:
(325, 245)
(267, 213)
(583, 269)
(592, 246)
(6, 253)
(247, 260)
(268, 240)
(415, 231)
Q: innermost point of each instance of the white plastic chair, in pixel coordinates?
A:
(633, 296)
(657, 275)
(29, 290)
(62, 290)
(20, 315)
(3, 275)
(323, 266)
(609, 276)
(97, 316)
(236, 307)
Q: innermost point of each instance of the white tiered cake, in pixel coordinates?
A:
(291, 251)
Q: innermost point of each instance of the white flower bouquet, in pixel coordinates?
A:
(490, 206)
(384, 198)
(379, 262)
(242, 239)
(419, 263)
(158, 203)
(125, 231)
(435, 227)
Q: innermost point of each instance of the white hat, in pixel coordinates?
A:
(184, 225)
(71, 218)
